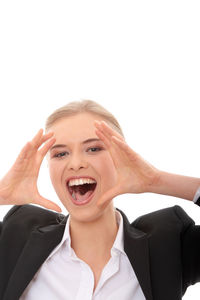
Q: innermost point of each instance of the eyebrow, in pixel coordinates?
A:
(83, 143)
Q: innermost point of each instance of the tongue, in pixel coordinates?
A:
(80, 197)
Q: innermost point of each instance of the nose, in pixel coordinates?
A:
(76, 162)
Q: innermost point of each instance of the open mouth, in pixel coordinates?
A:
(82, 193)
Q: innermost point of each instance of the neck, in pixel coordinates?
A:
(96, 236)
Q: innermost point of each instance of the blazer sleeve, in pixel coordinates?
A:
(182, 236)
(190, 245)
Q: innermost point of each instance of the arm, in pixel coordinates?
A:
(176, 185)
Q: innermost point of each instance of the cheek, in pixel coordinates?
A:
(55, 171)
(106, 168)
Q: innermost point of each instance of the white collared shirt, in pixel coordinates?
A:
(63, 276)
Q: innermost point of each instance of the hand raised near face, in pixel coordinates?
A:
(134, 174)
(19, 185)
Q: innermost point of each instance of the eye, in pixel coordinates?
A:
(61, 154)
(94, 149)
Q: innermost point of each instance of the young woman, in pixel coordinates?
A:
(94, 252)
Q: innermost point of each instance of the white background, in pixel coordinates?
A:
(139, 59)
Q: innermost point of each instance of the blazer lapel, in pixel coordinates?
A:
(136, 248)
(38, 247)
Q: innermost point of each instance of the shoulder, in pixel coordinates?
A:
(28, 215)
(169, 218)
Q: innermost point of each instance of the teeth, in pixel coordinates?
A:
(80, 181)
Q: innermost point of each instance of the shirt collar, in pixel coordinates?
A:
(118, 244)
(119, 240)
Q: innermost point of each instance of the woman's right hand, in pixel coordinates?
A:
(19, 185)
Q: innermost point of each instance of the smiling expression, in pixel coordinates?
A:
(78, 151)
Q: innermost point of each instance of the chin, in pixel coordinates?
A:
(89, 214)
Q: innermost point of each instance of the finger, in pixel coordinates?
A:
(37, 143)
(111, 147)
(23, 153)
(36, 138)
(39, 138)
(111, 131)
(46, 136)
(121, 143)
(48, 204)
(43, 139)
(29, 145)
(43, 151)
(105, 140)
(102, 130)
(102, 125)
(125, 147)
(108, 197)
(33, 144)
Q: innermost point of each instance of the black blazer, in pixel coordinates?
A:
(163, 248)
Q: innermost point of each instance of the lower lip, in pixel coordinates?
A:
(82, 202)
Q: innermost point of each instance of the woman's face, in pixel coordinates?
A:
(82, 154)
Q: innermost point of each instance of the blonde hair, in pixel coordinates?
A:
(88, 106)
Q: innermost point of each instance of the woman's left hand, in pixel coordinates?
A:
(134, 174)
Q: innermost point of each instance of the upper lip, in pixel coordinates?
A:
(78, 177)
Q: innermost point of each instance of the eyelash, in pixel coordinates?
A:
(58, 154)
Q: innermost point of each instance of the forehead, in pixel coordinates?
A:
(75, 126)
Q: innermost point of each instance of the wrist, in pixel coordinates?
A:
(1, 192)
(157, 183)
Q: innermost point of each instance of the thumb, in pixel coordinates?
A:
(48, 204)
(107, 197)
